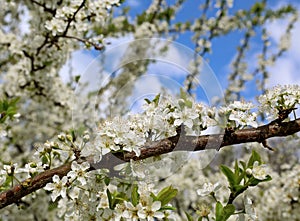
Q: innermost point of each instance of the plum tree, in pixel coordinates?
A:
(128, 137)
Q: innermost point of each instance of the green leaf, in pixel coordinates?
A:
(219, 211)
(77, 78)
(166, 195)
(135, 195)
(267, 179)
(254, 182)
(231, 177)
(258, 7)
(238, 189)
(147, 100)
(189, 103)
(254, 157)
(167, 208)
(236, 168)
(8, 108)
(228, 211)
(44, 159)
(73, 135)
(156, 100)
(154, 197)
(119, 198)
(52, 206)
(7, 183)
(239, 173)
(243, 165)
(110, 199)
(106, 180)
(188, 216)
(223, 213)
(183, 94)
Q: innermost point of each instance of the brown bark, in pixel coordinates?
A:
(175, 143)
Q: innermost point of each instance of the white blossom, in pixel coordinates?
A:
(249, 208)
(259, 171)
(56, 26)
(79, 172)
(58, 187)
(208, 188)
(150, 211)
(185, 117)
(130, 212)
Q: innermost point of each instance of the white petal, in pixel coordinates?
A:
(159, 215)
(49, 186)
(156, 206)
(55, 179)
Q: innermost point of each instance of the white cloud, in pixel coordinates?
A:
(147, 86)
(167, 73)
(176, 55)
(134, 3)
(24, 18)
(76, 65)
(286, 69)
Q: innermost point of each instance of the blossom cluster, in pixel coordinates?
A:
(160, 119)
(279, 99)
(89, 194)
(98, 11)
(239, 114)
(163, 116)
(30, 64)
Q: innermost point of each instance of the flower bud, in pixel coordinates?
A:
(69, 138)
(61, 137)
(249, 171)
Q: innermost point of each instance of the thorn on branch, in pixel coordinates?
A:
(180, 130)
(265, 145)
(284, 113)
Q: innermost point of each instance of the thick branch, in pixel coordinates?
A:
(175, 143)
(216, 141)
(31, 185)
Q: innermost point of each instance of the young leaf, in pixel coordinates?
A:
(231, 177)
(228, 211)
(110, 200)
(156, 100)
(254, 182)
(166, 195)
(238, 189)
(188, 216)
(254, 157)
(243, 165)
(147, 101)
(167, 208)
(236, 168)
(154, 197)
(223, 213)
(183, 94)
(135, 195)
(106, 180)
(189, 103)
(219, 211)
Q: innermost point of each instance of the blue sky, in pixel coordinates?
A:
(224, 48)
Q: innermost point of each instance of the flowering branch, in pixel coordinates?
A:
(31, 185)
(175, 143)
(215, 141)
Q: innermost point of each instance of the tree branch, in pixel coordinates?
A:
(31, 185)
(175, 143)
